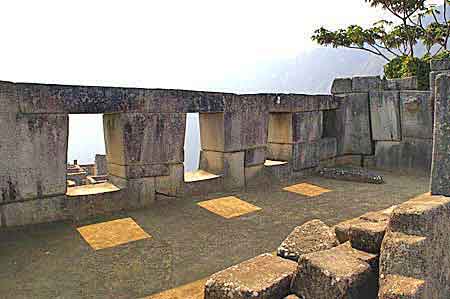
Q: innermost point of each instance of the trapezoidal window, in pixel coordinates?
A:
(86, 158)
(200, 130)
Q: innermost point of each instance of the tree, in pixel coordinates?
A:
(395, 40)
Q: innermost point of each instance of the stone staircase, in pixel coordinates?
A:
(397, 253)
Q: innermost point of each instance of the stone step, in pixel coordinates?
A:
(310, 237)
(403, 255)
(338, 273)
(365, 232)
(265, 276)
(401, 287)
(415, 217)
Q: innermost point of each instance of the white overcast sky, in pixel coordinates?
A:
(177, 44)
(189, 44)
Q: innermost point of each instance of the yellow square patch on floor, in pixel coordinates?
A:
(307, 189)
(228, 207)
(112, 233)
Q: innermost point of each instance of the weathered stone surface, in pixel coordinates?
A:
(353, 124)
(354, 174)
(280, 128)
(401, 287)
(349, 160)
(440, 176)
(307, 126)
(327, 148)
(385, 115)
(255, 156)
(340, 272)
(140, 145)
(366, 83)
(38, 165)
(305, 155)
(9, 101)
(330, 127)
(310, 237)
(100, 165)
(171, 185)
(416, 114)
(265, 276)
(416, 245)
(34, 211)
(365, 232)
(299, 102)
(409, 83)
(280, 152)
(412, 155)
(341, 85)
(233, 172)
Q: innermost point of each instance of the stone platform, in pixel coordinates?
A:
(176, 242)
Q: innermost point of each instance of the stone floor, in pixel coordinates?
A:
(178, 242)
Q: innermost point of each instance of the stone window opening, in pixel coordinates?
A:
(279, 139)
(86, 156)
(202, 156)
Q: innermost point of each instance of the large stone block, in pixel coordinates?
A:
(255, 156)
(416, 114)
(341, 85)
(101, 166)
(177, 101)
(138, 142)
(385, 115)
(139, 171)
(365, 232)
(307, 126)
(212, 161)
(9, 101)
(310, 237)
(280, 128)
(353, 124)
(171, 185)
(413, 155)
(280, 152)
(440, 177)
(367, 83)
(35, 211)
(306, 155)
(401, 287)
(233, 170)
(263, 277)
(300, 102)
(327, 148)
(409, 83)
(41, 155)
(416, 246)
(338, 273)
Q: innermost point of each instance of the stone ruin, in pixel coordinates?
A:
(248, 139)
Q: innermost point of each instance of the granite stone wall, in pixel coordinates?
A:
(364, 121)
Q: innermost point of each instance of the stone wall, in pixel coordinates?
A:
(394, 119)
(365, 121)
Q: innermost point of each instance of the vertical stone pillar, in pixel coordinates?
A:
(33, 158)
(145, 152)
(234, 143)
(353, 116)
(440, 173)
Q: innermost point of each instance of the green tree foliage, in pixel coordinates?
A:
(396, 41)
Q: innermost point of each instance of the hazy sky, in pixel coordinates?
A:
(179, 44)
(170, 44)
